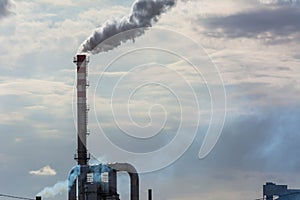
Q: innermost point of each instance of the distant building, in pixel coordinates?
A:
(280, 192)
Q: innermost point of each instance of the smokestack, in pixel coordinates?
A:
(150, 194)
(38, 198)
(81, 62)
(143, 15)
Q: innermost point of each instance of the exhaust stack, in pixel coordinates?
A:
(93, 182)
(82, 110)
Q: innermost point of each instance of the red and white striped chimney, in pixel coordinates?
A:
(82, 110)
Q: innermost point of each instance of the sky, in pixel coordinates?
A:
(220, 76)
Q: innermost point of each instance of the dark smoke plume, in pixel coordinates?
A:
(6, 8)
(144, 13)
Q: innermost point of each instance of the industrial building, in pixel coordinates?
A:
(93, 182)
(280, 192)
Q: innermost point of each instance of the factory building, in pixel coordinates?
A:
(93, 182)
(280, 192)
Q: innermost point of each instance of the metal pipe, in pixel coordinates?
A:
(134, 177)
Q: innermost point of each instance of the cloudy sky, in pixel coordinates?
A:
(145, 93)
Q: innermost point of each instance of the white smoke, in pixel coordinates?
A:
(144, 13)
(6, 8)
(58, 188)
(62, 186)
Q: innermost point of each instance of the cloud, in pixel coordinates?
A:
(45, 171)
(11, 118)
(267, 149)
(281, 2)
(57, 2)
(36, 58)
(6, 8)
(273, 24)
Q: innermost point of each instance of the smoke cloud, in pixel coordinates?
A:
(58, 188)
(5, 8)
(143, 15)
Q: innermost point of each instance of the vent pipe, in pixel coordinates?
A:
(134, 177)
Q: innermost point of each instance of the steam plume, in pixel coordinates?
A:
(58, 188)
(62, 186)
(5, 8)
(144, 13)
